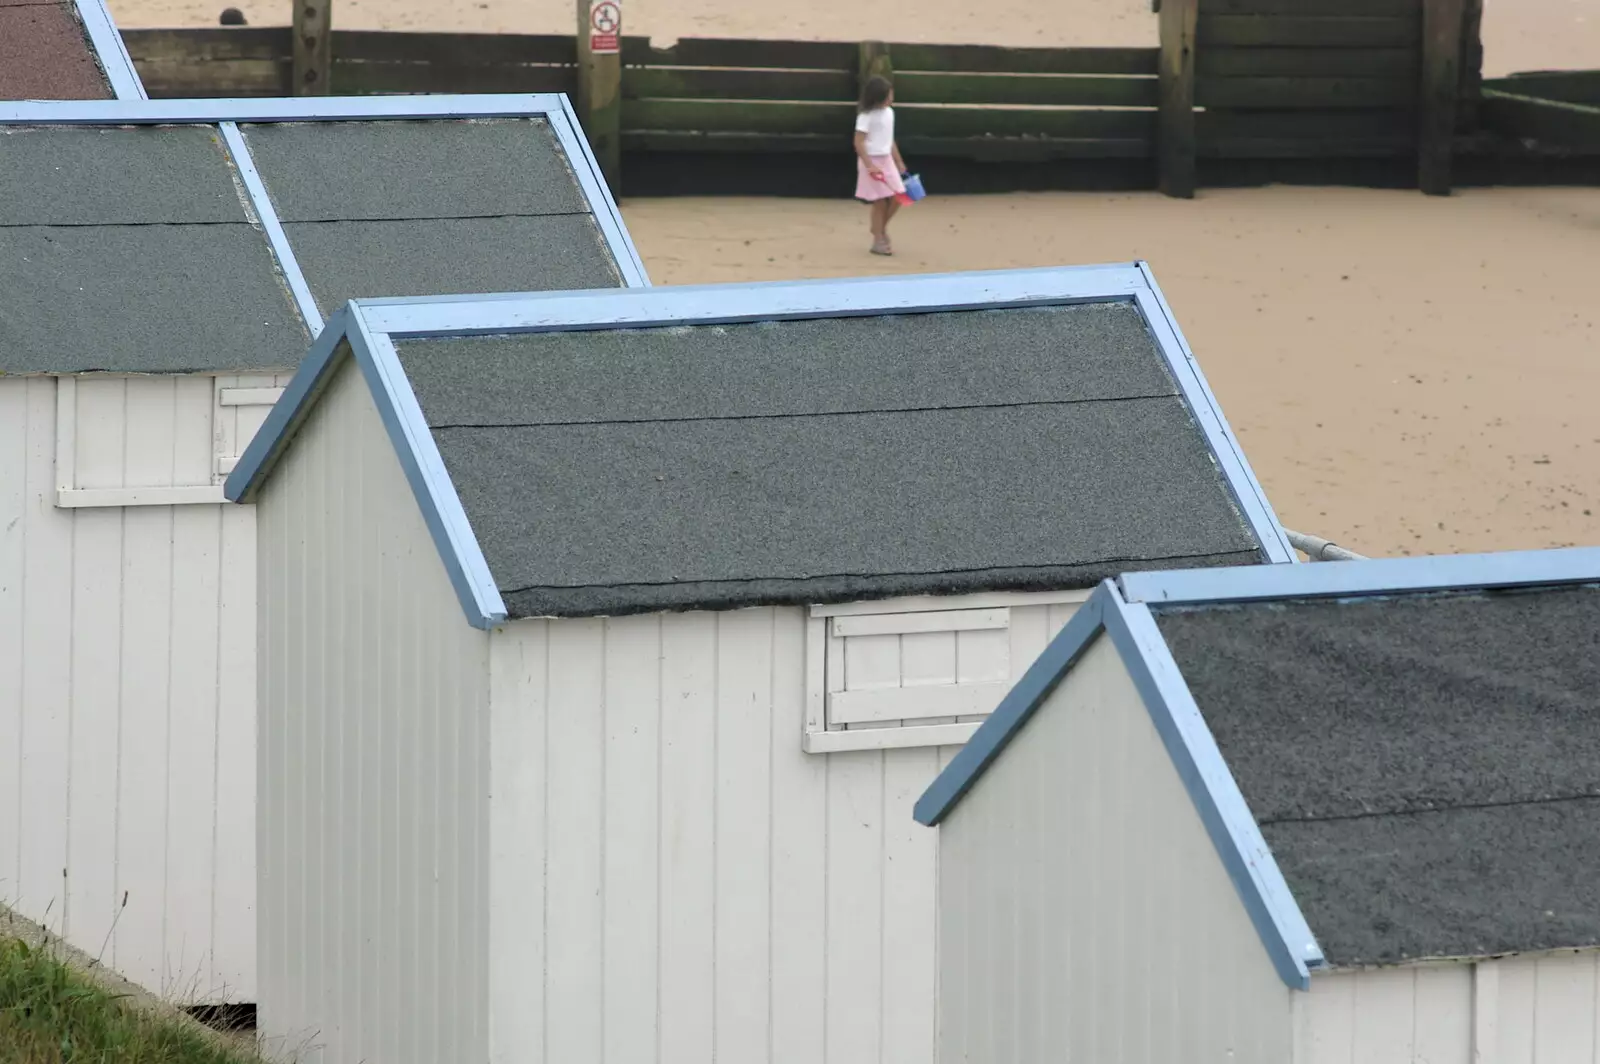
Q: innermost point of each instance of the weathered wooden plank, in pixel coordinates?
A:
(1045, 90)
(1306, 134)
(1308, 62)
(1267, 32)
(1334, 8)
(691, 83)
(1176, 139)
(223, 78)
(249, 42)
(986, 59)
(1568, 86)
(359, 78)
(828, 119)
(1552, 122)
(455, 48)
(981, 149)
(313, 47)
(728, 52)
(1441, 85)
(1305, 92)
(216, 78)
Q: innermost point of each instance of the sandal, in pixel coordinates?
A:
(881, 247)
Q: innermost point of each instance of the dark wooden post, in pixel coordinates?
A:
(1471, 91)
(1442, 44)
(600, 84)
(1175, 138)
(874, 60)
(313, 48)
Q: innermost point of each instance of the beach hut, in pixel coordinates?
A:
(165, 266)
(607, 639)
(1287, 815)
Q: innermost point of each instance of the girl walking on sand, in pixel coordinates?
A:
(878, 162)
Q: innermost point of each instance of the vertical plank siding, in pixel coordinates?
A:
(675, 879)
(1528, 1009)
(1151, 958)
(374, 763)
(127, 688)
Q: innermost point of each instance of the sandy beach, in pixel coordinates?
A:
(1408, 375)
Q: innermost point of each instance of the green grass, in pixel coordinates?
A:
(51, 1014)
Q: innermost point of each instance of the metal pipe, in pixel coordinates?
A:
(1321, 550)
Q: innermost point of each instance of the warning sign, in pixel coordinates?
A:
(605, 27)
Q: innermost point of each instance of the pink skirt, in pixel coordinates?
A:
(869, 188)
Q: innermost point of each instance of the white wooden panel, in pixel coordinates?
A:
(518, 825)
(892, 680)
(914, 703)
(248, 397)
(1120, 953)
(1564, 1011)
(632, 841)
(575, 866)
(855, 905)
(1518, 1003)
(208, 495)
(931, 621)
(743, 841)
(1539, 1009)
(367, 673)
(909, 919)
(799, 859)
(758, 904)
(117, 619)
(688, 803)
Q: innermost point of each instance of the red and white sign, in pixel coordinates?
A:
(605, 27)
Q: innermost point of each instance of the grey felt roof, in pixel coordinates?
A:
(619, 471)
(413, 208)
(1425, 768)
(129, 249)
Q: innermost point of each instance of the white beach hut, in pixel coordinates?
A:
(165, 265)
(1287, 815)
(607, 639)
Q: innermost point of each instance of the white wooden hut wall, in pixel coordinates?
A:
(1539, 1008)
(665, 872)
(374, 791)
(1084, 913)
(679, 878)
(127, 672)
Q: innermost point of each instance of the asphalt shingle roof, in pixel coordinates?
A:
(1425, 768)
(130, 249)
(617, 471)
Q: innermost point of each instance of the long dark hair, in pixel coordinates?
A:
(874, 94)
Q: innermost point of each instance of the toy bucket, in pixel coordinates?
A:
(913, 185)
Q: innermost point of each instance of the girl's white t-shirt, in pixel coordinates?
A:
(878, 125)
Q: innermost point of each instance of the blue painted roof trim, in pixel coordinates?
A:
(1241, 479)
(1231, 826)
(110, 49)
(413, 443)
(727, 304)
(131, 109)
(1209, 783)
(1374, 577)
(569, 132)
